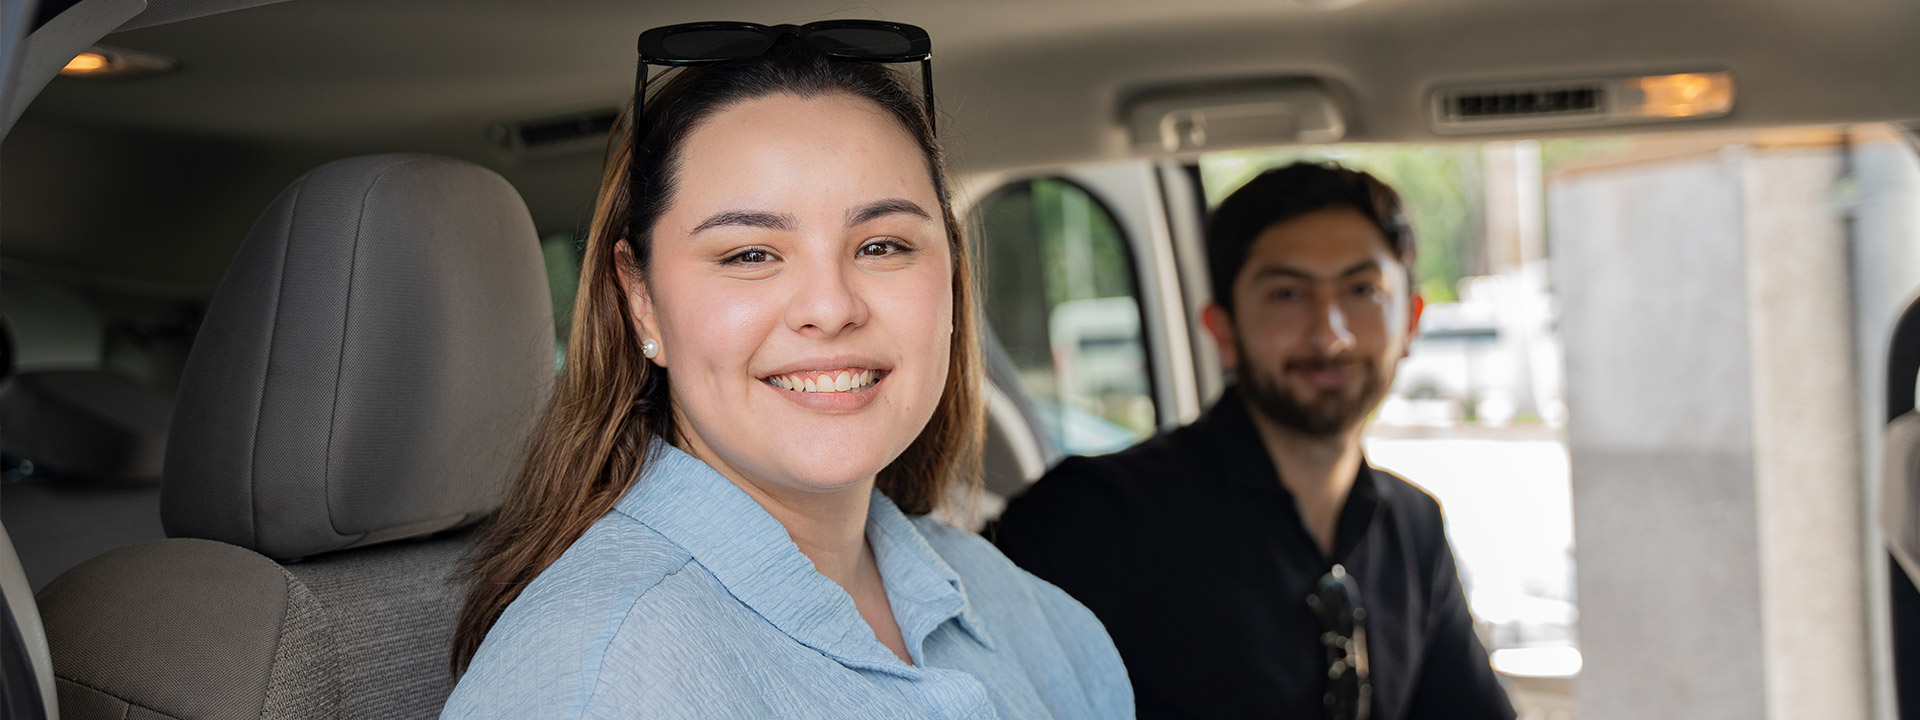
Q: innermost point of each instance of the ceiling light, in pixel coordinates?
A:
(101, 61)
(1683, 95)
(86, 63)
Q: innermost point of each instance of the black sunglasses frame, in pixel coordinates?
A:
(653, 50)
(1335, 602)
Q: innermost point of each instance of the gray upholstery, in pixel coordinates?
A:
(86, 423)
(1900, 492)
(364, 373)
(363, 380)
(358, 634)
(121, 641)
(391, 610)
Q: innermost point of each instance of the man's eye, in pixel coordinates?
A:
(1286, 294)
(751, 256)
(1366, 290)
(879, 248)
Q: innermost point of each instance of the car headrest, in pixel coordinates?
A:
(370, 365)
(1900, 491)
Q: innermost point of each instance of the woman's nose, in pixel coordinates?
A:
(826, 299)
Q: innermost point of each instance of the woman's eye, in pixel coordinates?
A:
(878, 248)
(753, 256)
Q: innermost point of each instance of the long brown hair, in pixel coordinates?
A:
(589, 444)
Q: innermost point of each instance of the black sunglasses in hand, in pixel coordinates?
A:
(1335, 602)
(705, 43)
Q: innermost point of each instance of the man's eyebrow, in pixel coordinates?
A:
(1281, 271)
(746, 218)
(882, 208)
(1363, 266)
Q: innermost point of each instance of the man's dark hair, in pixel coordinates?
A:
(1289, 192)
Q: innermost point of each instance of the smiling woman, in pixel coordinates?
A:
(771, 383)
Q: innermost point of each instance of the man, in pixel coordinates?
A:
(1227, 557)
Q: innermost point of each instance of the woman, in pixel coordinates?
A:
(771, 383)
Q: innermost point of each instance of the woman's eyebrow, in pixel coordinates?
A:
(882, 208)
(746, 218)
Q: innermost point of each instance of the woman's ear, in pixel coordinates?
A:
(639, 303)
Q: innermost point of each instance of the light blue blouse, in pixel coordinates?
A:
(690, 601)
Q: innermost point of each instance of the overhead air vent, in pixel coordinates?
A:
(578, 131)
(1581, 103)
(1563, 100)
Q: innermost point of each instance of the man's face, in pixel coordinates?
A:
(1322, 313)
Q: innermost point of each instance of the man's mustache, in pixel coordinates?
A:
(1324, 362)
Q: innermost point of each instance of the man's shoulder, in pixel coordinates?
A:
(1405, 496)
(1086, 501)
(1135, 468)
(1417, 513)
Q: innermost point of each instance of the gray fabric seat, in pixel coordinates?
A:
(356, 396)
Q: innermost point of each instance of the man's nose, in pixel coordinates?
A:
(1330, 333)
(826, 300)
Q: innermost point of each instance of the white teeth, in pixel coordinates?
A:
(845, 381)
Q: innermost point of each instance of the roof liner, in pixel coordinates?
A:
(364, 70)
(267, 92)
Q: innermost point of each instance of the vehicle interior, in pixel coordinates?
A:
(282, 284)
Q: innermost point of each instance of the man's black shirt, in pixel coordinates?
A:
(1194, 555)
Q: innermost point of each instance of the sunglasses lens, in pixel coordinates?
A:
(861, 42)
(714, 44)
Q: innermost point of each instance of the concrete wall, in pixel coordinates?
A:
(1649, 267)
(1724, 313)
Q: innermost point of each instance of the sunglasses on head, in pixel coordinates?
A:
(706, 43)
(1335, 602)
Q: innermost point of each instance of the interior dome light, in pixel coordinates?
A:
(100, 61)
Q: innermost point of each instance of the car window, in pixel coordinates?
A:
(561, 253)
(1060, 292)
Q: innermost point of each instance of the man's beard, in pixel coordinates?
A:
(1328, 412)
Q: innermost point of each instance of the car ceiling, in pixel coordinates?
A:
(184, 161)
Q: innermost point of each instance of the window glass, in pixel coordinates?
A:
(561, 254)
(1058, 286)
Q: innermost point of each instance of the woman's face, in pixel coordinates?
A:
(801, 293)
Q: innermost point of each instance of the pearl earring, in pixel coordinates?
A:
(649, 348)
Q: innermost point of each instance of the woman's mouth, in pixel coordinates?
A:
(839, 380)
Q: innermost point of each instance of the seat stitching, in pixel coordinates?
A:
(346, 317)
(131, 703)
(266, 371)
(286, 618)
